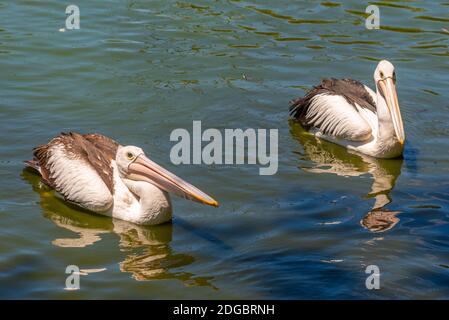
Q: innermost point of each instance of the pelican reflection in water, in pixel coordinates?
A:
(330, 158)
(149, 255)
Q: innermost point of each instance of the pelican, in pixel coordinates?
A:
(96, 173)
(348, 113)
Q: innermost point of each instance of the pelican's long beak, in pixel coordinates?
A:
(389, 91)
(144, 169)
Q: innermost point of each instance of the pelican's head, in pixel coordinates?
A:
(385, 78)
(134, 165)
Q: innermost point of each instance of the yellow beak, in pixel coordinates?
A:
(389, 91)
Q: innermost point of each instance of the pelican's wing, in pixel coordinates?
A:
(79, 168)
(337, 108)
(105, 144)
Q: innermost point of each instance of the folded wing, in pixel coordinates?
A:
(336, 108)
(79, 168)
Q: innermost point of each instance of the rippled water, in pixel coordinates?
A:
(138, 69)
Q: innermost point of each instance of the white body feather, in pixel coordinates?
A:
(333, 113)
(154, 207)
(78, 182)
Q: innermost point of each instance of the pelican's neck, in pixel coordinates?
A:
(154, 203)
(385, 124)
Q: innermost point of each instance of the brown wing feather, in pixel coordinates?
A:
(96, 149)
(106, 144)
(40, 163)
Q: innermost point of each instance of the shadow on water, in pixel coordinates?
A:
(411, 162)
(149, 253)
(201, 233)
(330, 158)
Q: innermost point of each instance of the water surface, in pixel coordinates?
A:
(136, 70)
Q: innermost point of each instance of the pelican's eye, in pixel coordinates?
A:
(381, 75)
(129, 155)
(394, 77)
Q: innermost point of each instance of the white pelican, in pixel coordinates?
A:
(97, 174)
(350, 114)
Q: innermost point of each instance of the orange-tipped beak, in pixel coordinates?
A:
(144, 169)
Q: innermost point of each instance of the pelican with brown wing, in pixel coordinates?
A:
(96, 173)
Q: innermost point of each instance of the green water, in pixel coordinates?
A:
(136, 70)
